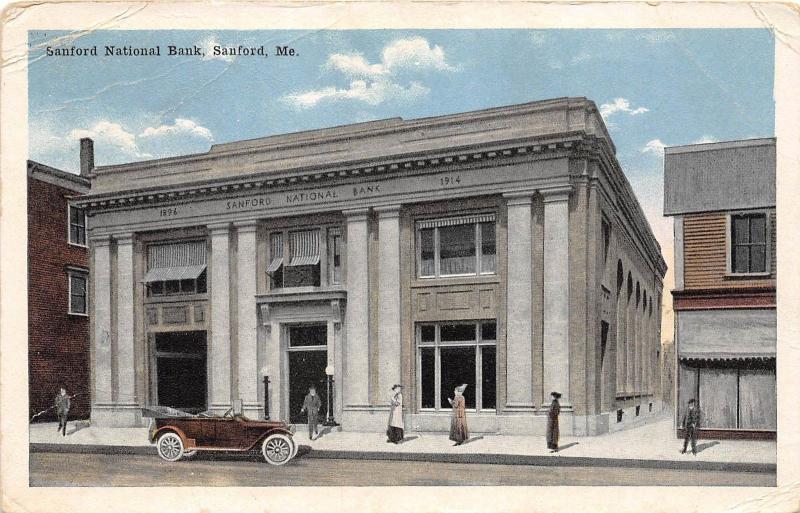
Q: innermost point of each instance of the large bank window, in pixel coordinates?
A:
(456, 246)
(450, 354)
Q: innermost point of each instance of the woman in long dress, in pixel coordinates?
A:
(552, 423)
(394, 432)
(458, 423)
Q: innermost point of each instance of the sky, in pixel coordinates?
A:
(654, 88)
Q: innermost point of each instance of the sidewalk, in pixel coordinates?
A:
(651, 445)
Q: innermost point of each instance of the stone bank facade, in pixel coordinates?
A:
(501, 248)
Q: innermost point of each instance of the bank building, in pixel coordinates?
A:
(502, 248)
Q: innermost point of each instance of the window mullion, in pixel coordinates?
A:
(437, 367)
(478, 377)
(478, 249)
(436, 251)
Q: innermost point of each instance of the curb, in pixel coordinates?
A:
(495, 459)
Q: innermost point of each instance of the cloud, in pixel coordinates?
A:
(705, 140)
(658, 37)
(654, 146)
(375, 83)
(620, 105)
(110, 134)
(372, 93)
(538, 38)
(581, 57)
(181, 126)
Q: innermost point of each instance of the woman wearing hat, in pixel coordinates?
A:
(458, 423)
(552, 423)
(394, 432)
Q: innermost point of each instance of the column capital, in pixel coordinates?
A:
(123, 238)
(100, 240)
(356, 214)
(248, 225)
(388, 211)
(519, 197)
(218, 228)
(556, 194)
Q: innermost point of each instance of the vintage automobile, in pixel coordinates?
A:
(179, 435)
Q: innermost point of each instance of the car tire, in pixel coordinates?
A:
(277, 449)
(170, 446)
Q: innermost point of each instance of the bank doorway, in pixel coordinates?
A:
(180, 370)
(307, 355)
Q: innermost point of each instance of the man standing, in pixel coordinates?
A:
(311, 405)
(552, 422)
(62, 410)
(691, 423)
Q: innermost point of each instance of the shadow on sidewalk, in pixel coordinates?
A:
(472, 439)
(408, 439)
(706, 445)
(567, 446)
(77, 426)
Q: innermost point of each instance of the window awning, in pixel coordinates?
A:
(177, 261)
(184, 272)
(275, 265)
(452, 221)
(726, 334)
(304, 247)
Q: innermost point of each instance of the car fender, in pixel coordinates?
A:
(272, 432)
(167, 428)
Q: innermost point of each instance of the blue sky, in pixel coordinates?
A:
(654, 88)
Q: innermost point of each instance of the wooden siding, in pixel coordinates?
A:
(705, 251)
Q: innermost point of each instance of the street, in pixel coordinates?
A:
(60, 469)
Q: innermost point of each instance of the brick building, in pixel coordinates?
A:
(58, 321)
(722, 198)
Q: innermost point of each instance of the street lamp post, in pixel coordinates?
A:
(265, 372)
(329, 420)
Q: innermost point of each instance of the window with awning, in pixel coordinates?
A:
(304, 248)
(456, 246)
(176, 268)
(276, 252)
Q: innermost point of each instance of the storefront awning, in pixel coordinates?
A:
(452, 221)
(184, 272)
(726, 334)
(304, 247)
(275, 265)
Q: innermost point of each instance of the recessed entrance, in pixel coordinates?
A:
(180, 366)
(307, 357)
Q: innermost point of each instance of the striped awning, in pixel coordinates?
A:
(276, 252)
(185, 272)
(727, 334)
(304, 247)
(452, 221)
(177, 261)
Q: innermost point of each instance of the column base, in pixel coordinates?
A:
(117, 415)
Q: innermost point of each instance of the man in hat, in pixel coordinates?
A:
(311, 405)
(552, 422)
(62, 405)
(458, 422)
(691, 423)
(394, 432)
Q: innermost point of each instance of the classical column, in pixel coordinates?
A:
(556, 293)
(389, 297)
(101, 278)
(126, 365)
(519, 353)
(356, 350)
(219, 287)
(248, 372)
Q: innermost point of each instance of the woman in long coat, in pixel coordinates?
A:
(394, 432)
(552, 423)
(458, 423)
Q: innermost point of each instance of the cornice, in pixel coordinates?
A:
(531, 148)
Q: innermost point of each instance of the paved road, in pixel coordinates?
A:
(58, 469)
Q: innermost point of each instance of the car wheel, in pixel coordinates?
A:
(277, 449)
(170, 446)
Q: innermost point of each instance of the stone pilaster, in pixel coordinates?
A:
(556, 294)
(247, 319)
(126, 365)
(219, 292)
(389, 362)
(519, 351)
(101, 278)
(355, 378)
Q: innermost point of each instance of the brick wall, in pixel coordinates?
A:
(58, 343)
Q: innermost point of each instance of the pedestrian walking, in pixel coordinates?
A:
(458, 422)
(311, 405)
(691, 423)
(62, 405)
(552, 422)
(394, 432)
